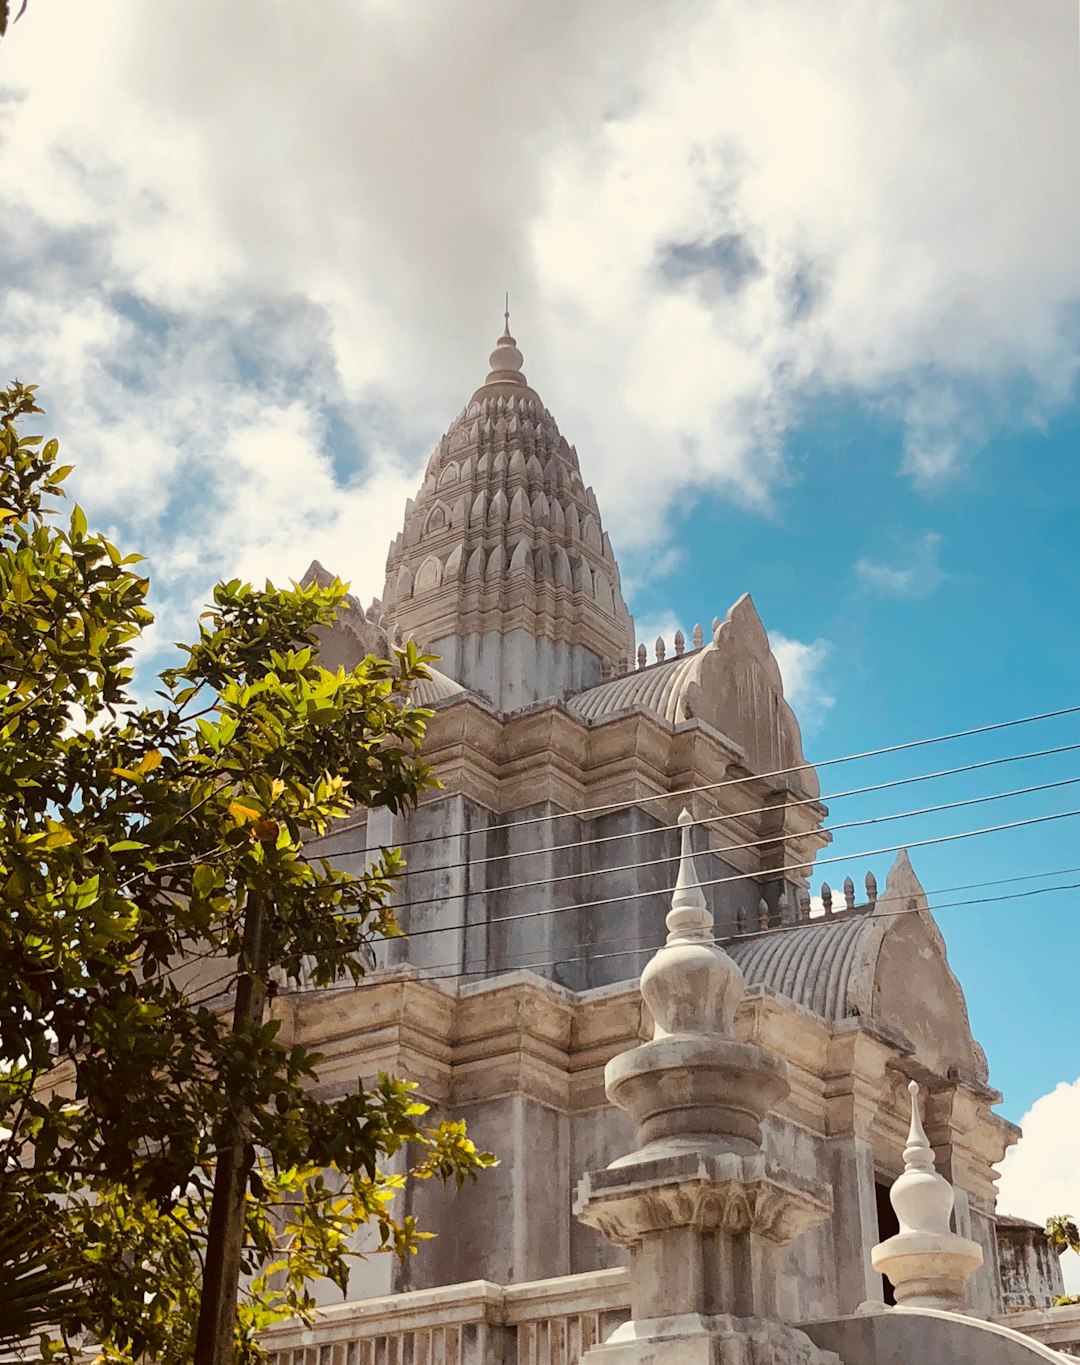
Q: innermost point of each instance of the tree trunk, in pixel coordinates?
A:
(225, 1236)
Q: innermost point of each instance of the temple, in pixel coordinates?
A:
(699, 1088)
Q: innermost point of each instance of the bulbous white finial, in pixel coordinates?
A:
(928, 1264)
(506, 360)
(922, 1198)
(690, 985)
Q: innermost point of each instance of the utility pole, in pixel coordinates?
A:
(225, 1236)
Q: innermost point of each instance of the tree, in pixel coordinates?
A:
(1062, 1233)
(134, 842)
(7, 18)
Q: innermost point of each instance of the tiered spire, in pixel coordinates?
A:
(504, 536)
(929, 1264)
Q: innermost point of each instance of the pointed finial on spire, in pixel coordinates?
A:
(506, 360)
(918, 1154)
(689, 915)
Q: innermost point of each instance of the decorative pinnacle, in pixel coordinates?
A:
(918, 1154)
(689, 916)
(506, 314)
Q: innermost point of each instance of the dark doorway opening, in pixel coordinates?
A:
(888, 1226)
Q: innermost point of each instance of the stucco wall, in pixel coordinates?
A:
(1030, 1270)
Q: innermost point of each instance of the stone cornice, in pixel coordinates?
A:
(547, 754)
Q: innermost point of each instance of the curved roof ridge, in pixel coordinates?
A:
(438, 687)
(811, 964)
(660, 689)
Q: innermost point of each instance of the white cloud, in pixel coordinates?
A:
(803, 668)
(1040, 1176)
(917, 573)
(224, 228)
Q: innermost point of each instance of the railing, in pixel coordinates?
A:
(1058, 1328)
(548, 1322)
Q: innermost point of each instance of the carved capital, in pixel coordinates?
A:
(731, 1194)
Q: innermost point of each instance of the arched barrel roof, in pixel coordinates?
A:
(814, 965)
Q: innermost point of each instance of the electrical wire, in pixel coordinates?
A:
(773, 872)
(881, 900)
(756, 777)
(658, 947)
(733, 848)
(727, 817)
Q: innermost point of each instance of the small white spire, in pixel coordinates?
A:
(506, 360)
(689, 914)
(918, 1154)
(922, 1198)
(928, 1264)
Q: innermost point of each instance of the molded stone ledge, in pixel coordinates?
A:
(730, 1194)
(720, 1339)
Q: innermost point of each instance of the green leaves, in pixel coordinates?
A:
(132, 839)
(1062, 1233)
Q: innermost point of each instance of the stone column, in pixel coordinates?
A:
(696, 1203)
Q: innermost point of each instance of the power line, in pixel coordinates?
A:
(721, 942)
(744, 876)
(756, 777)
(730, 816)
(732, 848)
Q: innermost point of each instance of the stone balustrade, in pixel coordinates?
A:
(547, 1322)
(1058, 1328)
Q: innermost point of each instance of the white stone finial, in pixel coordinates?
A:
(661, 649)
(928, 1264)
(699, 637)
(506, 360)
(689, 984)
(923, 1200)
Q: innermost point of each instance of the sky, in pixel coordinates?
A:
(800, 279)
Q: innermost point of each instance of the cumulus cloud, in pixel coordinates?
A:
(229, 227)
(916, 572)
(803, 667)
(1040, 1176)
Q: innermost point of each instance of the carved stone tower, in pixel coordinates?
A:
(502, 568)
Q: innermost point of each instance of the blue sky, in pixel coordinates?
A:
(974, 621)
(800, 280)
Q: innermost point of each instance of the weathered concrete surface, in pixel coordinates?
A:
(1030, 1269)
(925, 1336)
